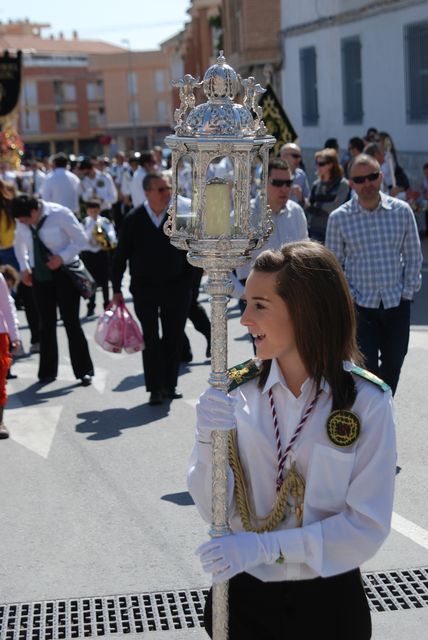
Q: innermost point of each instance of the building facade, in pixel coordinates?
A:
(252, 38)
(353, 64)
(88, 97)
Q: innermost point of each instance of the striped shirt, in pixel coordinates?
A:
(379, 250)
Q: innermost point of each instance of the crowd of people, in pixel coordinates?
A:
(326, 302)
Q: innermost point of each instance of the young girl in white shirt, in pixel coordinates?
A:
(311, 455)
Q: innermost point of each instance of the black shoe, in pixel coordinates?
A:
(172, 394)
(11, 376)
(90, 313)
(86, 380)
(187, 357)
(155, 398)
(208, 351)
(47, 379)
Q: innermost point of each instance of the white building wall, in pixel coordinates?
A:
(383, 74)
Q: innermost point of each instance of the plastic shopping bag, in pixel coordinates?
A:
(133, 340)
(109, 333)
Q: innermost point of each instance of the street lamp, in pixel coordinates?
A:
(222, 149)
(132, 102)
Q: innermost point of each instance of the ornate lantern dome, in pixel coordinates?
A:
(220, 115)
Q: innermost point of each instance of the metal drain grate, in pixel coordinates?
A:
(91, 617)
(394, 590)
(172, 610)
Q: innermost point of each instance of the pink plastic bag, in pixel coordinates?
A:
(133, 340)
(117, 330)
(109, 333)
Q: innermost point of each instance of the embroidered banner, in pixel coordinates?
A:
(10, 82)
(276, 120)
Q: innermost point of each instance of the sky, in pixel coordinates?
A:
(144, 23)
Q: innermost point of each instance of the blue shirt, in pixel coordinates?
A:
(379, 250)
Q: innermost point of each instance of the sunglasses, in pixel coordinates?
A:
(322, 163)
(370, 177)
(160, 189)
(295, 155)
(281, 183)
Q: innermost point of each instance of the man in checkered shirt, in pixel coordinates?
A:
(375, 238)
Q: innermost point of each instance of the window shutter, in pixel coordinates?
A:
(416, 69)
(351, 81)
(308, 86)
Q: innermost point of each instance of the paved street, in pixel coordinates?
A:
(94, 500)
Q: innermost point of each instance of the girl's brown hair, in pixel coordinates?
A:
(312, 283)
(330, 155)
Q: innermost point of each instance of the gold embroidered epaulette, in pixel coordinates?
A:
(367, 375)
(241, 373)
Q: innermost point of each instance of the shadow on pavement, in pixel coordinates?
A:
(131, 382)
(110, 423)
(37, 394)
(183, 499)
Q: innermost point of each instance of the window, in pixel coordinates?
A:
(416, 69)
(30, 121)
(95, 91)
(159, 81)
(133, 111)
(30, 93)
(308, 86)
(66, 119)
(161, 111)
(97, 118)
(351, 81)
(132, 83)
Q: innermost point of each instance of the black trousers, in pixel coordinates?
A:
(197, 313)
(335, 608)
(98, 265)
(161, 356)
(383, 338)
(60, 292)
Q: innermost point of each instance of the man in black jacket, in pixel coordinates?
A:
(160, 286)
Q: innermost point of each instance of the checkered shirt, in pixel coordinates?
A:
(379, 250)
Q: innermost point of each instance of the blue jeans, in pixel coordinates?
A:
(383, 338)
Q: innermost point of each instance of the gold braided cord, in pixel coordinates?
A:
(293, 485)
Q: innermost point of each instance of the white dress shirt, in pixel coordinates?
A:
(102, 187)
(61, 233)
(89, 225)
(62, 187)
(8, 315)
(349, 491)
(289, 225)
(137, 192)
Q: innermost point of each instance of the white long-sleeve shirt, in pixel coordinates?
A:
(61, 233)
(349, 491)
(62, 187)
(102, 187)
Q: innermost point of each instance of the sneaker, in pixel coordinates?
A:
(4, 433)
(35, 347)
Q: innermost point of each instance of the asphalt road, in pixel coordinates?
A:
(94, 500)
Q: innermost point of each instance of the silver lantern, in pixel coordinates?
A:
(220, 153)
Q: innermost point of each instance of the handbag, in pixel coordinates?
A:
(80, 277)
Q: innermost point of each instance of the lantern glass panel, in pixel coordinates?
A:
(219, 197)
(186, 192)
(258, 194)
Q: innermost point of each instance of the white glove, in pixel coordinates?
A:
(227, 556)
(214, 411)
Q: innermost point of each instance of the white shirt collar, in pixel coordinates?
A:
(275, 377)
